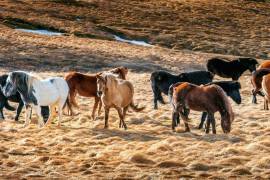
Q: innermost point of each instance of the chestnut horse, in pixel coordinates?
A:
(256, 79)
(266, 90)
(86, 85)
(208, 99)
(116, 93)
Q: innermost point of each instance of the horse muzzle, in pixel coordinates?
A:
(99, 93)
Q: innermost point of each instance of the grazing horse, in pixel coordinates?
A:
(256, 81)
(231, 88)
(116, 93)
(86, 85)
(266, 90)
(15, 98)
(161, 81)
(231, 69)
(208, 99)
(35, 93)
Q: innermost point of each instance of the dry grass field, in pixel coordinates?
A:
(148, 149)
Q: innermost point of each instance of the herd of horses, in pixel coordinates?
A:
(187, 91)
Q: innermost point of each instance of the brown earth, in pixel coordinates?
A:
(82, 149)
(235, 27)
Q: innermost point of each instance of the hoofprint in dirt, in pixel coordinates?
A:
(148, 149)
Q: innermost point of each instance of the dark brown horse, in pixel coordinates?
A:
(208, 99)
(86, 85)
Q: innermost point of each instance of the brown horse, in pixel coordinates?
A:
(116, 93)
(256, 81)
(208, 99)
(266, 90)
(86, 85)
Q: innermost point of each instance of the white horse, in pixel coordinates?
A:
(52, 92)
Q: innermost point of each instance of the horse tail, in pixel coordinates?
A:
(225, 110)
(9, 107)
(68, 105)
(135, 107)
(211, 75)
(170, 92)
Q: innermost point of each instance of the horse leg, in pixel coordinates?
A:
(2, 104)
(99, 107)
(266, 104)
(19, 110)
(254, 99)
(204, 115)
(51, 115)
(207, 129)
(27, 116)
(40, 120)
(186, 112)
(155, 100)
(60, 111)
(175, 115)
(213, 122)
(97, 99)
(185, 119)
(107, 111)
(121, 116)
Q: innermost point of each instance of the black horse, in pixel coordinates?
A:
(231, 88)
(17, 99)
(161, 81)
(231, 69)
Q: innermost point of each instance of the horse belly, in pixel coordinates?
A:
(47, 95)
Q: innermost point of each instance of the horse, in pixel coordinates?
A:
(208, 99)
(232, 90)
(116, 93)
(256, 81)
(231, 69)
(17, 99)
(86, 85)
(161, 81)
(35, 93)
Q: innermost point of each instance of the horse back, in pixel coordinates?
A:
(265, 64)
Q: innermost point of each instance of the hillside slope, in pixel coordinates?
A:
(236, 27)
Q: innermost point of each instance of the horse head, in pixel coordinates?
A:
(101, 84)
(234, 92)
(249, 63)
(11, 85)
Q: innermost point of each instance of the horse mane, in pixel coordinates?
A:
(121, 71)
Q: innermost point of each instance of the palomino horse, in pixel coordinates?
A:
(208, 99)
(266, 90)
(256, 81)
(34, 92)
(86, 85)
(116, 93)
